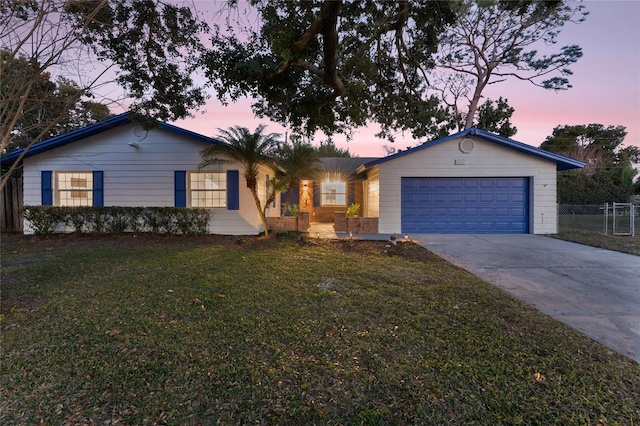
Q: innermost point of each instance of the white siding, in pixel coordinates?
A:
(142, 176)
(485, 160)
(373, 193)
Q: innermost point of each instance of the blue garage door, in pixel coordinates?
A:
(465, 205)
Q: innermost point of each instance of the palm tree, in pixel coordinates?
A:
(275, 186)
(298, 161)
(250, 151)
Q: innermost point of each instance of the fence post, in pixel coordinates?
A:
(606, 217)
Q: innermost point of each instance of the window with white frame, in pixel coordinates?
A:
(74, 188)
(208, 189)
(334, 193)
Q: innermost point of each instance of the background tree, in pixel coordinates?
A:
(297, 161)
(489, 43)
(51, 108)
(496, 119)
(147, 47)
(332, 65)
(328, 148)
(608, 173)
(251, 151)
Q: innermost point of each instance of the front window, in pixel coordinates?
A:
(334, 193)
(208, 189)
(75, 189)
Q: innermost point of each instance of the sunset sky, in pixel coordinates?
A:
(606, 88)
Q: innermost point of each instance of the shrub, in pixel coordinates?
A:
(353, 210)
(43, 219)
(293, 209)
(116, 220)
(193, 221)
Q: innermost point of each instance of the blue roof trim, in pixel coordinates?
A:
(190, 134)
(562, 162)
(90, 130)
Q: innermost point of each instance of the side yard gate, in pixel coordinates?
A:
(604, 219)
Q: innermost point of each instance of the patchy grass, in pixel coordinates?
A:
(623, 244)
(146, 330)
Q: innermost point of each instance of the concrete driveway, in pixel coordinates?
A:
(594, 291)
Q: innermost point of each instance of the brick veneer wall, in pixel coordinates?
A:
(290, 223)
(357, 225)
(362, 225)
(340, 221)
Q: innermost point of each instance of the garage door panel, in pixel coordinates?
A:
(465, 205)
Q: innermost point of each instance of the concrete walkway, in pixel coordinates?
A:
(327, 231)
(592, 290)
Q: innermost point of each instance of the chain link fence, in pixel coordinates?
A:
(603, 219)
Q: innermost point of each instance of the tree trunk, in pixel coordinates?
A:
(473, 104)
(263, 218)
(286, 202)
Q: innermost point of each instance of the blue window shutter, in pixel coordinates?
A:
(292, 195)
(351, 193)
(180, 188)
(295, 198)
(233, 190)
(317, 192)
(46, 187)
(98, 188)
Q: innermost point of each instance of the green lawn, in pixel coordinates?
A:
(589, 230)
(151, 330)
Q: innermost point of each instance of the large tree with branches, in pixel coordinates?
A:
(331, 65)
(148, 47)
(495, 40)
(608, 173)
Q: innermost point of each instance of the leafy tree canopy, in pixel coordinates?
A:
(492, 41)
(608, 173)
(332, 65)
(151, 47)
(155, 46)
(496, 119)
(329, 149)
(61, 102)
(594, 144)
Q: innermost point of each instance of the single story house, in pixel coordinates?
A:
(336, 187)
(116, 162)
(470, 182)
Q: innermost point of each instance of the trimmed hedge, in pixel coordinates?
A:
(117, 220)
